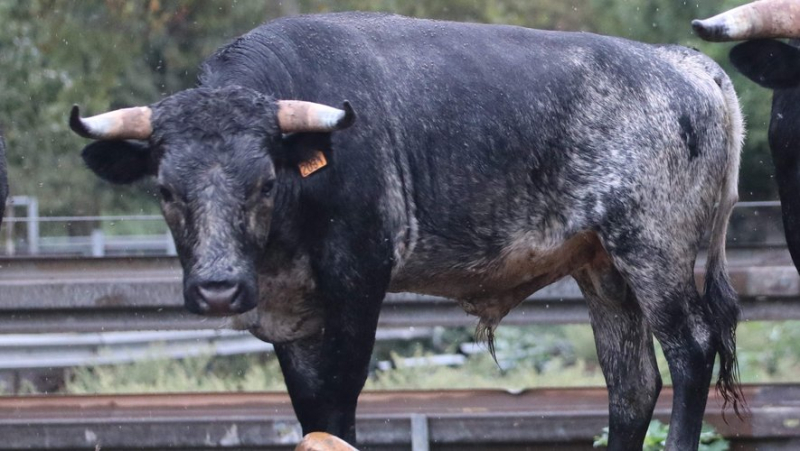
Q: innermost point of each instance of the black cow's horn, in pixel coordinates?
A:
(758, 20)
(127, 123)
(299, 116)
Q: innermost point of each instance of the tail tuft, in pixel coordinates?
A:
(724, 312)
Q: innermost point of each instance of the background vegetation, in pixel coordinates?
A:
(105, 54)
(528, 357)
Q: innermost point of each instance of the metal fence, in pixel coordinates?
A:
(531, 420)
(71, 291)
(26, 233)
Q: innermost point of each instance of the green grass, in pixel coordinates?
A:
(656, 438)
(530, 357)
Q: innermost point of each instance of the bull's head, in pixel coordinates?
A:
(214, 153)
(770, 63)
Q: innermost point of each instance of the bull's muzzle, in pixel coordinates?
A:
(219, 297)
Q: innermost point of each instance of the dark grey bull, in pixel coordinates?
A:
(485, 163)
(774, 65)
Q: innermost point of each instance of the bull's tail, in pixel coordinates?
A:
(720, 298)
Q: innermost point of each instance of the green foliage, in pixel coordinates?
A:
(767, 351)
(104, 54)
(535, 348)
(482, 372)
(656, 438)
(195, 374)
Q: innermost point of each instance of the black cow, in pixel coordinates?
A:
(477, 162)
(775, 65)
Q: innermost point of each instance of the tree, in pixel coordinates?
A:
(104, 54)
(101, 55)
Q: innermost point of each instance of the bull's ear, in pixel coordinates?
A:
(120, 162)
(770, 63)
(300, 147)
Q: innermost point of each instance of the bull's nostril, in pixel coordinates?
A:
(219, 296)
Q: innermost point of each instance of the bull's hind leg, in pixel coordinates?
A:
(625, 350)
(663, 283)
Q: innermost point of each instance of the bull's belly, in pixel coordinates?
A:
(490, 289)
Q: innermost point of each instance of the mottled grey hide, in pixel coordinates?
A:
(486, 162)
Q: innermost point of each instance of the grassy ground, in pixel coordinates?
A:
(529, 357)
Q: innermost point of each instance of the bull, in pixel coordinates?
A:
(775, 65)
(480, 163)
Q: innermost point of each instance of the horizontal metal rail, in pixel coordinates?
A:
(145, 294)
(752, 224)
(65, 219)
(47, 351)
(119, 294)
(487, 419)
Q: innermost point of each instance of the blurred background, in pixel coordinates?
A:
(106, 54)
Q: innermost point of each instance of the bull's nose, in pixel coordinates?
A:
(219, 298)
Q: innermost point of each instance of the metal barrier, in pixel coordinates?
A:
(48, 350)
(753, 223)
(99, 243)
(145, 293)
(538, 419)
(82, 294)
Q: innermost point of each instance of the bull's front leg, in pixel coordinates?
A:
(325, 374)
(351, 265)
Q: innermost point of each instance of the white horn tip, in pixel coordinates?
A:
(711, 29)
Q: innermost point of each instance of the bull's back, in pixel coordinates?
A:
(512, 129)
(432, 72)
(448, 93)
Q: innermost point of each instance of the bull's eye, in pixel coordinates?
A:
(266, 188)
(166, 195)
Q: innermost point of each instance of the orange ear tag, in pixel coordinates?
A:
(313, 164)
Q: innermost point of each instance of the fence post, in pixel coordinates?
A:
(33, 225)
(98, 243)
(171, 249)
(10, 227)
(420, 439)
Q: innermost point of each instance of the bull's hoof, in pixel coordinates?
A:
(321, 441)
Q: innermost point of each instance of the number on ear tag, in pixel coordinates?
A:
(313, 164)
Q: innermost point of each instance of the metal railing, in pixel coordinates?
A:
(65, 350)
(753, 223)
(98, 243)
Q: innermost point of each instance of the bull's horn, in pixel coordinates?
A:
(127, 123)
(321, 441)
(758, 20)
(298, 116)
